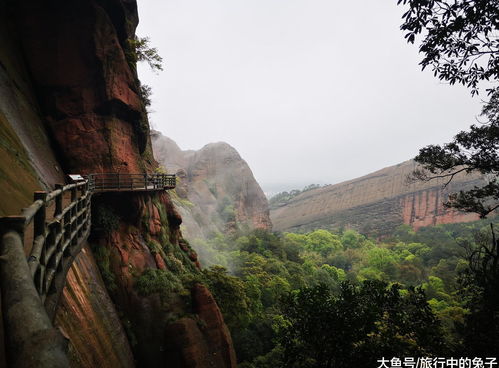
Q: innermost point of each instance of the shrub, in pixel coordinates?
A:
(105, 219)
(156, 281)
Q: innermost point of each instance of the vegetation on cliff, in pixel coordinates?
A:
(154, 279)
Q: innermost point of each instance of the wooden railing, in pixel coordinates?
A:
(107, 182)
(52, 230)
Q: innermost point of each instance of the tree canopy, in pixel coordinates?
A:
(285, 293)
(476, 150)
(459, 40)
(349, 329)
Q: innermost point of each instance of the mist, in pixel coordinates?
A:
(306, 91)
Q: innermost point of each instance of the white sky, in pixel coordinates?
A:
(308, 91)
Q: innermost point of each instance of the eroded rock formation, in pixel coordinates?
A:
(78, 55)
(375, 203)
(148, 265)
(218, 182)
(70, 103)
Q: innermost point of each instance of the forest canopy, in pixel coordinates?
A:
(270, 287)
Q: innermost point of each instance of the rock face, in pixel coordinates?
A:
(375, 203)
(78, 56)
(88, 318)
(169, 322)
(70, 103)
(27, 162)
(219, 183)
(186, 340)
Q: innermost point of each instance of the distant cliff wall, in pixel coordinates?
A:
(375, 203)
(219, 184)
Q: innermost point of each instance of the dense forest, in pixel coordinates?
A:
(324, 298)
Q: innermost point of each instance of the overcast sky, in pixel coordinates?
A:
(308, 91)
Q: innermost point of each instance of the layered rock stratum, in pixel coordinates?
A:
(375, 204)
(218, 183)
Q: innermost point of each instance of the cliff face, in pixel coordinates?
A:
(70, 104)
(86, 315)
(76, 53)
(28, 163)
(150, 271)
(375, 203)
(219, 183)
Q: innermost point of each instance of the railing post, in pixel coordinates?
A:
(31, 341)
(41, 215)
(73, 213)
(58, 200)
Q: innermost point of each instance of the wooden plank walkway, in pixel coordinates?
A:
(112, 182)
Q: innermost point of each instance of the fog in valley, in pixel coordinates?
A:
(307, 92)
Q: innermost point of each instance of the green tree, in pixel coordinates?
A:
(230, 294)
(352, 239)
(140, 50)
(476, 150)
(323, 241)
(480, 283)
(459, 38)
(459, 41)
(356, 327)
(383, 260)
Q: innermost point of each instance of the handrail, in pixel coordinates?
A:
(31, 340)
(31, 288)
(102, 182)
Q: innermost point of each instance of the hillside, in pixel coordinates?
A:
(218, 183)
(375, 203)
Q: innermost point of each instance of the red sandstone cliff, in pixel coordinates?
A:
(170, 322)
(219, 183)
(70, 104)
(76, 54)
(375, 203)
(86, 315)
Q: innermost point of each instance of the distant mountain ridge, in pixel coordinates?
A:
(282, 198)
(375, 203)
(219, 184)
